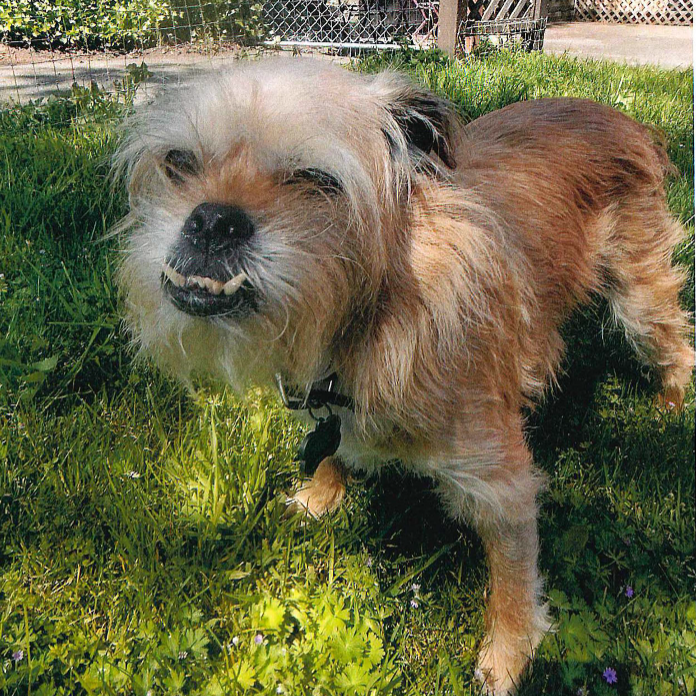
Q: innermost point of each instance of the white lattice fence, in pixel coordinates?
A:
(636, 11)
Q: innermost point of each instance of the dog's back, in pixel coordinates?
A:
(579, 190)
(551, 168)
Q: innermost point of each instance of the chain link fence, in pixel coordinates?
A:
(366, 24)
(112, 45)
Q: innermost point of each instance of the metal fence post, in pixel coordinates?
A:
(452, 14)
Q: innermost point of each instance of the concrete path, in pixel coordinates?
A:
(26, 75)
(668, 47)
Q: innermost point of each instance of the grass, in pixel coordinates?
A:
(143, 545)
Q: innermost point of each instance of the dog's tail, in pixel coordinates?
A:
(657, 164)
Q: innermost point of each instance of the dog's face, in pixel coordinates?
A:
(268, 204)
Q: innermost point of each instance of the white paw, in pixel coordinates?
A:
(494, 681)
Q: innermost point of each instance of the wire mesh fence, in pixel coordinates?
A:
(104, 44)
(352, 23)
(526, 34)
(112, 45)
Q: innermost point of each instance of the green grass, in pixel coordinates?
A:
(143, 545)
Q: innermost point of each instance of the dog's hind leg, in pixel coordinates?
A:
(644, 295)
(323, 492)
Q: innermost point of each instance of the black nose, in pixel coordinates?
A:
(214, 228)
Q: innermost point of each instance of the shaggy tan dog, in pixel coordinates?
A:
(294, 218)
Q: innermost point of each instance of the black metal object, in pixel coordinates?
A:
(325, 439)
(320, 443)
(526, 34)
(321, 394)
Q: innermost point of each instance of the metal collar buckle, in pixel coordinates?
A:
(321, 394)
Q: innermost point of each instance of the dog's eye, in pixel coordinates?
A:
(317, 177)
(179, 164)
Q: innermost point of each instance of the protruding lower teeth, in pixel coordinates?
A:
(173, 275)
(215, 287)
(231, 286)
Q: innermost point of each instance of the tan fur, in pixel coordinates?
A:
(435, 284)
(323, 493)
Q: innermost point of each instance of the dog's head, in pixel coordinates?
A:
(268, 205)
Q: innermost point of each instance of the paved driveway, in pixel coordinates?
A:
(25, 75)
(668, 47)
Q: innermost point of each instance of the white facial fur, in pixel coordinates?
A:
(249, 127)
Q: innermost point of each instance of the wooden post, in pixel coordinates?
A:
(540, 8)
(452, 14)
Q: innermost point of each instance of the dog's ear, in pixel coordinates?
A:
(426, 121)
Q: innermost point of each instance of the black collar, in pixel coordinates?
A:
(320, 394)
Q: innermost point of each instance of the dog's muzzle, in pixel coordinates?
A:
(203, 273)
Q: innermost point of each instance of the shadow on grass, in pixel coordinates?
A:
(601, 419)
(406, 517)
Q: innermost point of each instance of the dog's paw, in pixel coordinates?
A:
(315, 500)
(504, 659)
(671, 399)
(493, 677)
(322, 494)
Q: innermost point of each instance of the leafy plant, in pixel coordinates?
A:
(126, 24)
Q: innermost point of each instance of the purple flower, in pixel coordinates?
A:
(258, 638)
(368, 563)
(629, 591)
(18, 655)
(609, 675)
(414, 603)
(582, 691)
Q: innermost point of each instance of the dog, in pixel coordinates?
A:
(291, 220)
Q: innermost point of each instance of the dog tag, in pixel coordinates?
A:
(322, 442)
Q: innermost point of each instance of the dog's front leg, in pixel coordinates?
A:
(516, 620)
(496, 491)
(323, 492)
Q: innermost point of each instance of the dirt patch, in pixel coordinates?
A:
(19, 55)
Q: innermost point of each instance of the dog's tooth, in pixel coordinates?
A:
(214, 286)
(211, 285)
(231, 286)
(173, 275)
(196, 281)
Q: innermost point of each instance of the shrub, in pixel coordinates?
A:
(125, 24)
(225, 20)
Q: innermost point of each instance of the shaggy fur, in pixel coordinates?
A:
(432, 277)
